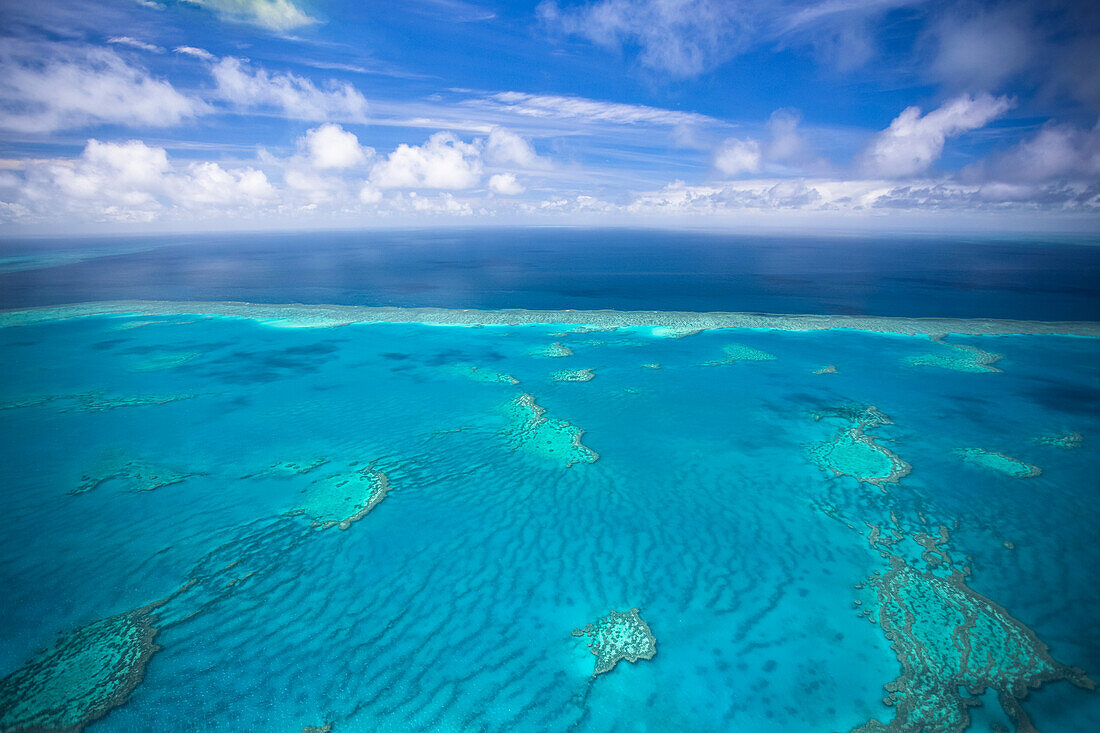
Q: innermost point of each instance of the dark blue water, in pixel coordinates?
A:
(581, 269)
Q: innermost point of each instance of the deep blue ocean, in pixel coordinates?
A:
(571, 268)
(407, 526)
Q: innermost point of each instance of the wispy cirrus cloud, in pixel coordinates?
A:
(563, 107)
(135, 43)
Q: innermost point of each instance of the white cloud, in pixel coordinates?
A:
(505, 184)
(135, 43)
(507, 148)
(132, 181)
(735, 156)
(913, 143)
(46, 87)
(558, 107)
(255, 89)
(680, 37)
(1055, 152)
(980, 49)
(274, 15)
(199, 53)
(331, 146)
(442, 162)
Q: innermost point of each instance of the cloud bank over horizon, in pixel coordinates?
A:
(262, 112)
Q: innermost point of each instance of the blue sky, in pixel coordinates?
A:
(211, 114)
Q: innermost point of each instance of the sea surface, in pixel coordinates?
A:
(216, 522)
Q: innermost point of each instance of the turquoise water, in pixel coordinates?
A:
(204, 463)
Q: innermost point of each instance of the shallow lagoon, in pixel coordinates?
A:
(450, 605)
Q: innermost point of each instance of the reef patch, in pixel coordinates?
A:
(531, 430)
(960, 358)
(617, 636)
(952, 642)
(999, 462)
(739, 352)
(341, 499)
(576, 375)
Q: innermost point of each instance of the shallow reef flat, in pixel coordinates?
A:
(79, 679)
(341, 499)
(739, 352)
(957, 357)
(575, 375)
(668, 322)
(999, 462)
(854, 452)
(133, 473)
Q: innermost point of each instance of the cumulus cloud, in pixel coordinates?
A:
(736, 156)
(251, 88)
(331, 146)
(505, 184)
(274, 15)
(443, 161)
(504, 147)
(46, 87)
(914, 142)
(784, 147)
(132, 181)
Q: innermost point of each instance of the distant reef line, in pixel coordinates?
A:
(670, 323)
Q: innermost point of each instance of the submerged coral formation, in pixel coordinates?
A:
(85, 674)
(960, 358)
(95, 401)
(484, 375)
(344, 498)
(289, 468)
(953, 644)
(999, 462)
(532, 430)
(576, 375)
(135, 474)
(165, 360)
(831, 369)
(1065, 441)
(854, 452)
(554, 350)
(739, 352)
(654, 365)
(617, 636)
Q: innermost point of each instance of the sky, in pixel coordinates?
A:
(182, 115)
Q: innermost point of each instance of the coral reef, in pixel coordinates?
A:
(341, 499)
(740, 352)
(617, 636)
(831, 369)
(952, 642)
(289, 468)
(577, 375)
(961, 358)
(85, 674)
(999, 462)
(1065, 441)
(484, 375)
(135, 474)
(554, 350)
(532, 430)
(854, 452)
